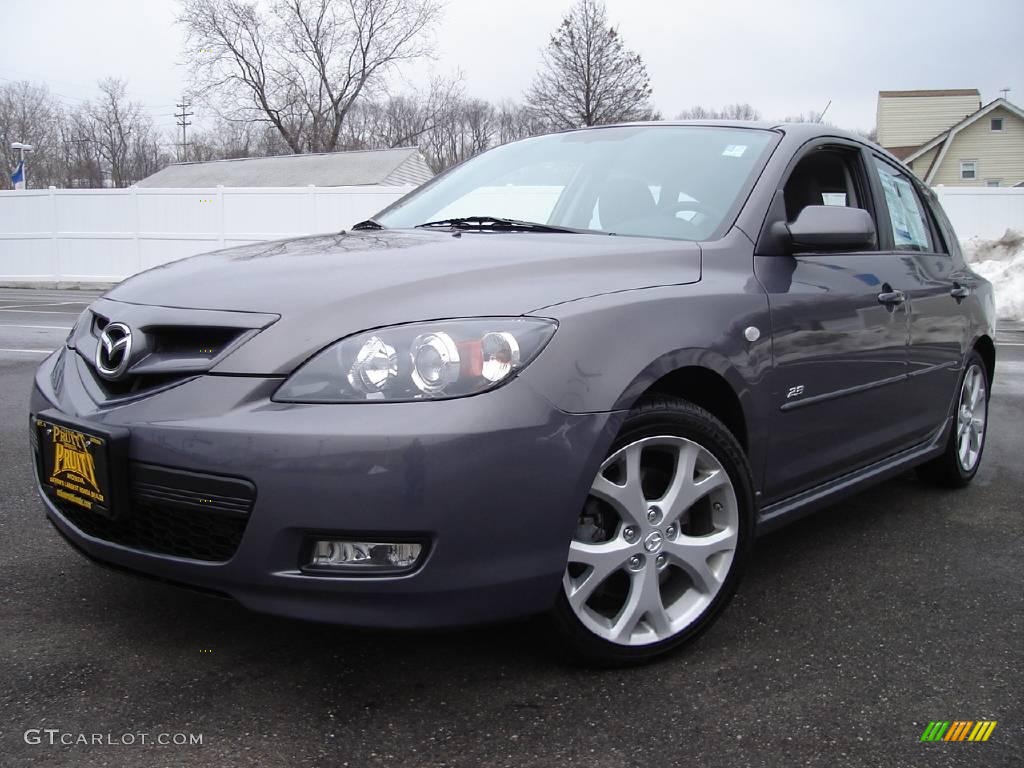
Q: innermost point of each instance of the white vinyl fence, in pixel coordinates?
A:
(82, 236)
(95, 236)
(983, 212)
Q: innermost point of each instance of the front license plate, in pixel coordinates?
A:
(76, 466)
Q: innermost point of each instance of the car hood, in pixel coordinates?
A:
(327, 287)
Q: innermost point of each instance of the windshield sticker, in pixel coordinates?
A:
(734, 150)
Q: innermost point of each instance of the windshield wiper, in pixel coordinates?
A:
(495, 223)
(368, 224)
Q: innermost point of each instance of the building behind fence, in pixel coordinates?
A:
(66, 236)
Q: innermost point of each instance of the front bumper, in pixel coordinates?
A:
(493, 483)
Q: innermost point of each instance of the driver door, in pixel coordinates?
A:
(838, 381)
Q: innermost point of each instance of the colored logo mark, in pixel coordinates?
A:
(958, 730)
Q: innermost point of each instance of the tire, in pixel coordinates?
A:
(951, 469)
(669, 549)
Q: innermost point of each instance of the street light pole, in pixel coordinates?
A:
(22, 149)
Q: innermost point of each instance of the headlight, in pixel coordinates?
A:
(420, 361)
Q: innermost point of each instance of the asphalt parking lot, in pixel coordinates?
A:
(853, 629)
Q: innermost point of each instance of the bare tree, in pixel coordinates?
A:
(120, 134)
(517, 121)
(30, 114)
(728, 112)
(300, 65)
(588, 76)
(465, 129)
(871, 134)
(403, 120)
(810, 116)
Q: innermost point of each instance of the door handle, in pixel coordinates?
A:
(959, 292)
(892, 298)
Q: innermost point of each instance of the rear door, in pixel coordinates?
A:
(840, 354)
(938, 325)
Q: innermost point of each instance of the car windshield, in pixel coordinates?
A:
(650, 181)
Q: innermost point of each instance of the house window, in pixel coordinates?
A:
(968, 169)
(997, 123)
(991, 182)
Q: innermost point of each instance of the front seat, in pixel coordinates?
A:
(626, 205)
(802, 189)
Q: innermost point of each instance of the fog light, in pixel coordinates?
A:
(364, 556)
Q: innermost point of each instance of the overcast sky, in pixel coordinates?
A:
(784, 56)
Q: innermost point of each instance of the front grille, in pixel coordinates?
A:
(164, 355)
(174, 512)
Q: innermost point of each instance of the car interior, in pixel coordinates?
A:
(823, 177)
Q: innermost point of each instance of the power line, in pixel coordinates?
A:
(184, 123)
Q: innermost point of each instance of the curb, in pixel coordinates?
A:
(59, 286)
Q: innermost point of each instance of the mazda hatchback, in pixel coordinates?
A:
(574, 376)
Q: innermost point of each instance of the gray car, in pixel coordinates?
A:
(574, 376)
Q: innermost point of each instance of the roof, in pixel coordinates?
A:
(946, 92)
(902, 152)
(389, 167)
(803, 131)
(811, 129)
(945, 139)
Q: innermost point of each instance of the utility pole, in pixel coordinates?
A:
(184, 123)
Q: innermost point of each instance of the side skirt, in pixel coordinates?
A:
(787, 510)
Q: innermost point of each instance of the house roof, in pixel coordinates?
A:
(946, 137)
(390, 167)
(947, 92)
(902, 152)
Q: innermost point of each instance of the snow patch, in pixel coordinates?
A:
(1001, 262)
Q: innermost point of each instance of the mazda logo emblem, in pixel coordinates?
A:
(114, 351)
(653, 541)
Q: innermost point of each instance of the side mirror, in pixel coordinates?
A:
(828, 228)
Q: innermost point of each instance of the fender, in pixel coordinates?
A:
(610, 349)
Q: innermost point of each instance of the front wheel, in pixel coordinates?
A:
(661, 539)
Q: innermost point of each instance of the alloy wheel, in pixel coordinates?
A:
(654, 543)
(971, 415)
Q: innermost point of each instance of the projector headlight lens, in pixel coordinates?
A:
(435, 362)
(420, 361)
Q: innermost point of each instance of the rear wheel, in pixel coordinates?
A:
(959, 463)
(662, 537)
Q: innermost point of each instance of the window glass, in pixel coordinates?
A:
(997, 123)
(650, 181)
(968, 169)
(909, 226)
(992, 183)
(530, 193)
(945, 228)
(824, 176)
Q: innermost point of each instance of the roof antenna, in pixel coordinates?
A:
(1005, 91)
(822, 115)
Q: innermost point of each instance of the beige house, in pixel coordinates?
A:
(948, 137)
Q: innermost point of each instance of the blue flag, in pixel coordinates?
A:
(18, 177)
